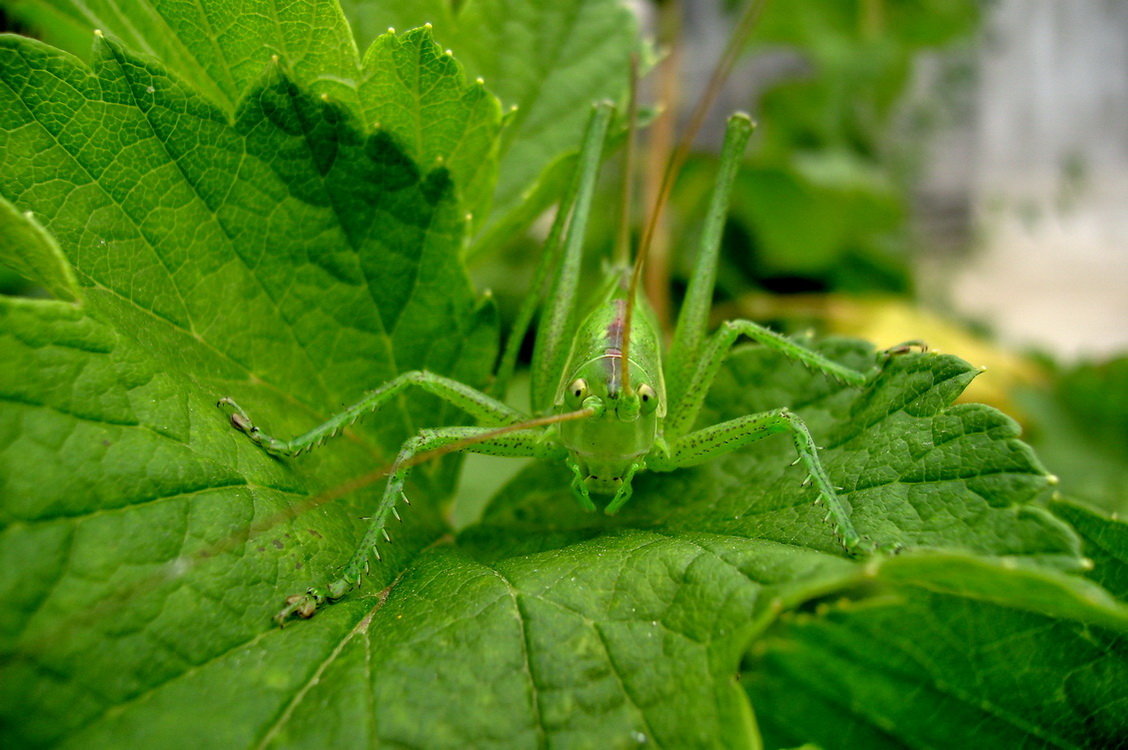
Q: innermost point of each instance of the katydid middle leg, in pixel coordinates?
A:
(717, 440)
(527, 443)
(693, 448)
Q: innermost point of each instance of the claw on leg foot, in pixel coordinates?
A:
(905, 347)
(306, 605)
(239, 419)
(579, 488)
(300, 605)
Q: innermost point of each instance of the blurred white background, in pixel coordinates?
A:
(1042, 163)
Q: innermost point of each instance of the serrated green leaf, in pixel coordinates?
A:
(549, 60)
(219, 48)
(285, 258)
(917, 470)
(299, 223)
(405, 84)
(1106, 544)
(412, 89)
(26, 247)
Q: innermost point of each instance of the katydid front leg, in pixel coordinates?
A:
(519, 443)
(579, 488)
(618, 500)
(700, 380)
(623, 494)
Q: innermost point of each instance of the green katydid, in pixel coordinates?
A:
(609, 404)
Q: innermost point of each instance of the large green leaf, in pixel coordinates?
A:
(952, 653)
(290, 215)
(217, 47)
(34, 253)
(549, 61)
(284, 258)
(1106, 544)
(412, 89)
(289, 256)
(918, 471)
(405, 86)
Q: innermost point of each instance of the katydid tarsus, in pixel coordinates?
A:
(605, 401)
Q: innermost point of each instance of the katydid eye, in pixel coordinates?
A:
(648, 398)
(578, 391)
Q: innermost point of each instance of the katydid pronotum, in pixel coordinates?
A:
(605, 401)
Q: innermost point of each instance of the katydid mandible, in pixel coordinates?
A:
(612, 406)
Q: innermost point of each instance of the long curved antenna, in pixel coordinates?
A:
(724, 65)
(661, 138)
(623, 240)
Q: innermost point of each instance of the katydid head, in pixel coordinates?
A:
(623, 426)
(595, 386)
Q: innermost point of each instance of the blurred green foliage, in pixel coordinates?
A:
(12, 283)
(823, 202)
(1078, 424)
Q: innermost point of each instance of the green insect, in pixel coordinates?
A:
(606, 401)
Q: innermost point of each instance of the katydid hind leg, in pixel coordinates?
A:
(693, 319)
(558, 318)
(549, 261)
